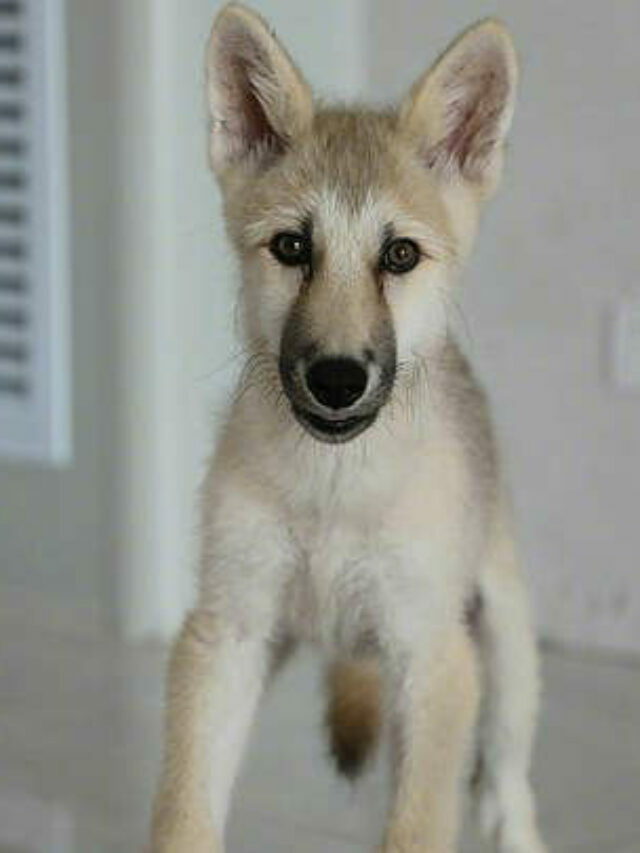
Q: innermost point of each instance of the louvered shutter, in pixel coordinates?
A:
(34, 286)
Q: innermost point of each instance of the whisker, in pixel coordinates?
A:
(452, 303)
(234, 358)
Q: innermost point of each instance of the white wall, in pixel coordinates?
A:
(559, 248)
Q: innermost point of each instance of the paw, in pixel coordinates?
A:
(529, 843)
(506, 818)
(184, 843)
(186, 838)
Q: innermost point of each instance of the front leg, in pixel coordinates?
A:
(435, 697)
(220, 661)
(215, 680)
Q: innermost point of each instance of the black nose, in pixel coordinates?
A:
(336, 382)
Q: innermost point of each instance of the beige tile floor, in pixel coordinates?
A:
(79, 746)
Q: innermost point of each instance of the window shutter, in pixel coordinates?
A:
(34, 276)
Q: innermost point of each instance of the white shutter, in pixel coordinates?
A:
(34, 286)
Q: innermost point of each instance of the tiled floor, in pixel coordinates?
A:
(79, 747)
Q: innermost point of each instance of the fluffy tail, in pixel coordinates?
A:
(353, 714)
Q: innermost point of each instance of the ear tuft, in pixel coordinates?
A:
(460, 111)
(258, 100)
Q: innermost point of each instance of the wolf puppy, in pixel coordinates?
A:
(354, 500)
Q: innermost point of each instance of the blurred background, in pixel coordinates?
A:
(117, 349)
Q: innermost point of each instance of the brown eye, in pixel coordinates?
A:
(291, 249)
(399, 256)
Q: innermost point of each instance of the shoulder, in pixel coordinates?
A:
(467, 412)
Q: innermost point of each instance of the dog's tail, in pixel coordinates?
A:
(353, 714)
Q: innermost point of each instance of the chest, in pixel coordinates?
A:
(374, 556)
(335, 593)
(354, 587)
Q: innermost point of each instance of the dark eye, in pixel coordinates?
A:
(399, 256)
(291, 249)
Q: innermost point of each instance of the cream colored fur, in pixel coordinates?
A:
(375, 549)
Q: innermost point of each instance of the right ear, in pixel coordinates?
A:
(258, 100)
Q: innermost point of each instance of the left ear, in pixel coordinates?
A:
(459, 112)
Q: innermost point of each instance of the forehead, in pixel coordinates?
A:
(350, 154)
(352, 170)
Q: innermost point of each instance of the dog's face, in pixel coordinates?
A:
(350, 224)
(347, 249)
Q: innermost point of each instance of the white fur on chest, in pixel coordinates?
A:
(359, 543)
(334, 595)
(354, 588)
(379, 554)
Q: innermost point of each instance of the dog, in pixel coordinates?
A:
(355, 500)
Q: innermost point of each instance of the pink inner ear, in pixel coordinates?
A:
(475, 94)
(245, 120)
(256, 128)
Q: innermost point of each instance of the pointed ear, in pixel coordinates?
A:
(459, 112)
(258, 100)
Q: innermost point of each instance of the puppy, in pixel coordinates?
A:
(355, 500)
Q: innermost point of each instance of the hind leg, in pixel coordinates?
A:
(505, 801)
